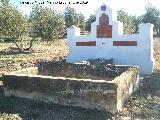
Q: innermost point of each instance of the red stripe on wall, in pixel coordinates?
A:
(124, 43)
(93, 43)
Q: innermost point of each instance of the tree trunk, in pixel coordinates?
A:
(17, 45)
(30, 45)
(158, 32)
(26, 49)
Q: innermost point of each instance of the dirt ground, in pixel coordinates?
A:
(144, 104)
(11, 60)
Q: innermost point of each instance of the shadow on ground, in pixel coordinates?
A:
(150, 85)
(14, 52)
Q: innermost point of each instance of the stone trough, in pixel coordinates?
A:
(89, 86)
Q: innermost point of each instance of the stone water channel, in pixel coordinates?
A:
(92, 86)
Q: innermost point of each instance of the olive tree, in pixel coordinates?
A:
(74, 18)
(46, 23)
(152, 15)
(128, 21)
(12, 24)
(90, 20)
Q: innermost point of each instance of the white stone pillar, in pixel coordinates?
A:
(146, 45)
(146, 29)
(146, 36)
(73, 31)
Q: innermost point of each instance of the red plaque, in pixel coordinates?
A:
(124, 43)
(92, 43)
(104, 30)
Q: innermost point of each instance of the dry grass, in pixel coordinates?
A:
(39, 52)
(157, 53)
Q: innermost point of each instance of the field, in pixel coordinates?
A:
(39, 52)
(143, 104)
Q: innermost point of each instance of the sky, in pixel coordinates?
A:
(133, 7)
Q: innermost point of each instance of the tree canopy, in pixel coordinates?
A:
(74, 18)
(12, 23)
(152, 15)
(46, 23)
(128, 21)
(90, 20)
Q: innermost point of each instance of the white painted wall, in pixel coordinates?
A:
(140, 55)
